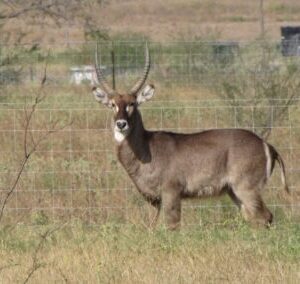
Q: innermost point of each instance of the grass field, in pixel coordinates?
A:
(231, 253)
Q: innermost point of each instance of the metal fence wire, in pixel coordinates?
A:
(74, 174)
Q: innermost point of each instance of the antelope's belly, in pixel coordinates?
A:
(204, 186)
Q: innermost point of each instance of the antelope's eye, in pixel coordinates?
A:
(129, 107)
(115, 107)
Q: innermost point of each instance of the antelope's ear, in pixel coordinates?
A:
(102, 97)
(146, 94)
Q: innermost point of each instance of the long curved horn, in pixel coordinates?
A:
(104, 85)
(139, 84)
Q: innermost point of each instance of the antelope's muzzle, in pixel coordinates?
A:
(122, 124)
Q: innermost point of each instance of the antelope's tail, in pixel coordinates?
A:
(276, 157)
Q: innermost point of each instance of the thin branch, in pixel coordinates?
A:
(66, 280)
(12, 189)
(34, 7)
(36, 264)
(44, 137)
(40, 96)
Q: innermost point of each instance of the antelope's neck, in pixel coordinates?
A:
(135, 150)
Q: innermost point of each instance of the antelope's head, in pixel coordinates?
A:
(124, 105)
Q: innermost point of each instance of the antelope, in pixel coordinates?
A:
(167, 167)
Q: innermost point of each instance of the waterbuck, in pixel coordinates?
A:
(167, 167)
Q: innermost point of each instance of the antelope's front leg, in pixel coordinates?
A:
(156, 203)
(171, 201)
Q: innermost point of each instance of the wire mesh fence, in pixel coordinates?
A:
(74, 174)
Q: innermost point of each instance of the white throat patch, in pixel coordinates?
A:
(119, 136)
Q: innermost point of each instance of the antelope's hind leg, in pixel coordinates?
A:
(233, 197)
(155, 218)
(253, 207)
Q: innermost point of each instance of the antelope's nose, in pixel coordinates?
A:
(121, 124)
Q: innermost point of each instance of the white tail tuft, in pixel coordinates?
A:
(268, 159)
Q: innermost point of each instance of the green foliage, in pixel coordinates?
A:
(237, 19)
(96, 35)
(260, 76)
(40, 218)
(13, 60)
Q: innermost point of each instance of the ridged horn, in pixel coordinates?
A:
(139, 84)
(101, 79)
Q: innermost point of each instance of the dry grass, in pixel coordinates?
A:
(129, 254)
(169, 20)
